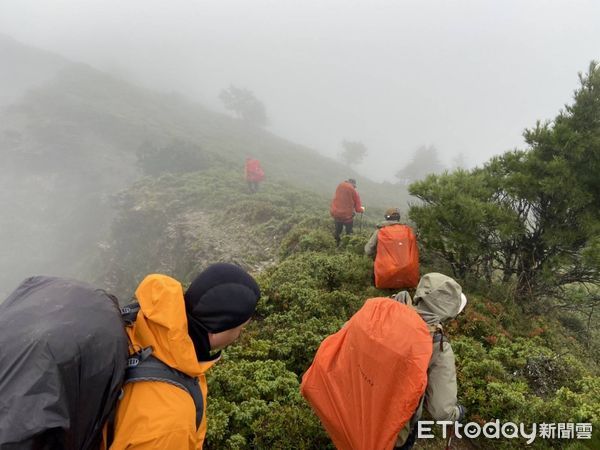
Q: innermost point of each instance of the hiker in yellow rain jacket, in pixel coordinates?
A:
(182, 330)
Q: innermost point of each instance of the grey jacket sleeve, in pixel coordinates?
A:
(440, 396)
(371, 246)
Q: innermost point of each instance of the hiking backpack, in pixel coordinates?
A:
(63, 360)
(397, 258)
(366, 380)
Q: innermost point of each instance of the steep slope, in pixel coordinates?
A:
(512, 367)
(69, 145)
(73, 144)
(24, 67)
(180, 224)
(82, 101)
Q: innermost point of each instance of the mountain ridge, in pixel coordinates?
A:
(72, 142)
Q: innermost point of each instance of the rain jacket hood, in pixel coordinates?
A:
(437, 298)
(156, 415)
(163, 324)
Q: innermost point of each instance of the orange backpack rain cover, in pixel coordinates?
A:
(397, 260)
(367, 379)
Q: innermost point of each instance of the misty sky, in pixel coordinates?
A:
(465, 76)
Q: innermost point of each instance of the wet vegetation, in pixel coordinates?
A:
(516, 366)
(163, 191)
(516, 362)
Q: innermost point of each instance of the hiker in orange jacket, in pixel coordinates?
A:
(345, 203)
(182, 331)
(254, 174)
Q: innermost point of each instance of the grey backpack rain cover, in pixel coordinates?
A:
(63, 354)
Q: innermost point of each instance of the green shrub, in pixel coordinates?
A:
(258, 404)
(510, 366)
(302, 239)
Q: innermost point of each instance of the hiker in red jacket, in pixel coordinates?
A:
(345, 203)
(254, 174)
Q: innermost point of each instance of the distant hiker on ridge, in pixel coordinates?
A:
(345, 203)
(254, 174)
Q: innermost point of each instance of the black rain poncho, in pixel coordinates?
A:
(63, 352)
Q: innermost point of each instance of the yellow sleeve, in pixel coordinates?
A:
(155, 416)
(176, 440)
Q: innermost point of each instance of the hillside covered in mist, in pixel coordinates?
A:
(72, 137)
(106, 182)
(24, 67)
(527, 345)
(522, 242)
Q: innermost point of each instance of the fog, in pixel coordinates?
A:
(464, 76)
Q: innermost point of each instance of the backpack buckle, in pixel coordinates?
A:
(135, 359)
(129, 313)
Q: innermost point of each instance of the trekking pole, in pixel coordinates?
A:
(449, 441)
(360, 225)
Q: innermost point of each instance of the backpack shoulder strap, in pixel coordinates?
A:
(142, 366)
(149, 368)
(436, 331)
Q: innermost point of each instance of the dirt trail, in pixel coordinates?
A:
(198, 238)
